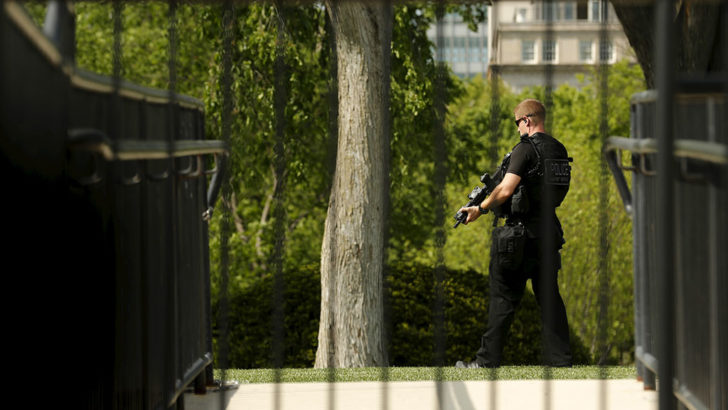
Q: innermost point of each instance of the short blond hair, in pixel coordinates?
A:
(531, 108)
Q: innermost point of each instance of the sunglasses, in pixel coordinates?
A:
(518, 121)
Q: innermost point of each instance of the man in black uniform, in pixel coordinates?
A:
(527, 246)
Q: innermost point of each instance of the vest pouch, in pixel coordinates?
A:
(519, 201)
(508, 244)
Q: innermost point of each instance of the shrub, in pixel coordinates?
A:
(412, 291)
(250, 326)
(411, 311)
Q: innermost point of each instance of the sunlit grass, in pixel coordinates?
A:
(424, 374)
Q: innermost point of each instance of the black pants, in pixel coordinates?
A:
(506, 290)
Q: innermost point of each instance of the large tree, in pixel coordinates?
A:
(352, 259)
(699, 45)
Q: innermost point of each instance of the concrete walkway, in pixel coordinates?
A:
(468, 395)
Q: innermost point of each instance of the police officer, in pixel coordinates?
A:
(527, 246)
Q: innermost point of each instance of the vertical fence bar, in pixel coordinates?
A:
(719, 260)
(636, 251)
(280, 97)
(120, 364)
(333, 137)
(643, 188)
(494, 117)
(604, 268)
(492, 164)
(117, 10)
(643, 265)
(665, 246)
(386, 147)
(226, 223)
(171, 205)
(439, 189)
(2, 71)
(713, 281)
(145, 254)
(547, 272)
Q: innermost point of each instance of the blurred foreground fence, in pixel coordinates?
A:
(107, 196)
(107, 199)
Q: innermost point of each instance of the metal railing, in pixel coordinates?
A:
(700, 153)
(117, 176)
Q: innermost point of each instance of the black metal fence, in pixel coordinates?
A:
(124, 255)
(679, 163)
(700, 354)
(112, 178)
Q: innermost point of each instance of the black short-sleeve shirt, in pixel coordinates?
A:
(523, 159)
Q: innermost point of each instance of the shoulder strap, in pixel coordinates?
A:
(538, 170)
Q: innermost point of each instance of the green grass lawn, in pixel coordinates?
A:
(424, 374)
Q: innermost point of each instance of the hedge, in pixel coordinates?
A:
(411, 326)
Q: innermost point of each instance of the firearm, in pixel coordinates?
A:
(476, 197)
(478, 194)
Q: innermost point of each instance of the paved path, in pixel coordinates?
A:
(467, 395)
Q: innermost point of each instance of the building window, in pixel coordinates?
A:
(475, 50)
(456, 51)
(569, 11)
(549, 51)
(485, 49)
(606, 51)
(582, 10)
(520, 16)
(527, 50)
(550, 10)
(585, 51)
(453, 17)
(598, 10)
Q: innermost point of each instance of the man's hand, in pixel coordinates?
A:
(473, 213)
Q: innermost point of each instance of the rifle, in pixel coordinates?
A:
(478, 194)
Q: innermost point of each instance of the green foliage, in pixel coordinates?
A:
(577, 121)
(411, 313)
(413, 153)
(145, 60)
(250, 326)
(472, 148)
(575, 118)
(36, 11)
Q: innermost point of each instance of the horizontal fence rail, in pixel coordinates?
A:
(142, 150)
(702, 150)
(709, 152)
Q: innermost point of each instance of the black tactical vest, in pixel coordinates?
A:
(549, 180)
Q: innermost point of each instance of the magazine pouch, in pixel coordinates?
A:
(508, 244)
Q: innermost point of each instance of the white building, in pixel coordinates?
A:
(533, 39)
(525, 42)
(465, 51)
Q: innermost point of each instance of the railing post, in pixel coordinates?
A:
(665, 197)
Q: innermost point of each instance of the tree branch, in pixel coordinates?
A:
(239, 226)
(264, 216)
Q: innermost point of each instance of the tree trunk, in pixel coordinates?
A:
(351, 327)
